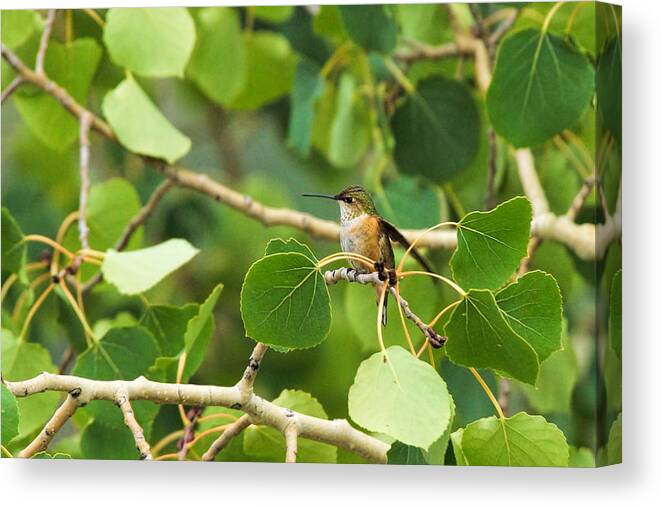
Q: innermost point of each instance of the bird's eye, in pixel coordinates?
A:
(348, 200)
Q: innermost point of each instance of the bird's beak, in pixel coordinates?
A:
(325, 196)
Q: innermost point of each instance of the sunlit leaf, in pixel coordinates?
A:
(9, 417)
(154, 42)
(521, 440)
(140, 126)
(139, 270)
(400, 396)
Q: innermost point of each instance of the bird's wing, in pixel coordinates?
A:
(394, 234)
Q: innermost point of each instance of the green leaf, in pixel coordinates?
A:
(479, 336)
(72, 66)
(370, 26)
(99, 441)
(522, 440)
(49, 455)
(409, 203)
(308, 87)
(615, 316)
(436, 129)
(268, 444)
(609, 86)
(150, 42)
(140, 126)
(278, 245)
(556, 381)
(167, 325)
(273, 13)
(540, 86)
(111, 205)
(581, 457)
(491, 244)
(218, 64)
(9, 413)
(400, 396)
(402, 454)
(455, 439)
(198, 333)
(270, 70)
(614, 446)
(22, 360)
(533, 308)
(17, 26)
(426, 23)
(349, 134)
(13, 247)
(285, 302)
(124, 353)
(139, 270)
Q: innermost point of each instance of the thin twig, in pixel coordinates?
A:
(11, 88)
(350, 275)
(245, 385)
(490, 196)
(43, 43)
(83, 228)
(223, 440)
(122, 401)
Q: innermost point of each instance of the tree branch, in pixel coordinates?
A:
(122, 401)
(11, 88)
(83, 229)
(350, 275)
(336, 432)
(43, 43)
(581, 238)
(291, 443)
(60, 417)
(226, 437)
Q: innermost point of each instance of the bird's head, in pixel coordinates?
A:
(353, 200)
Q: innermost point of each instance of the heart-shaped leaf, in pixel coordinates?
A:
(491, 244)
(285, 301)
(521, 440)
(541, 84)
(401, 396)
(479, 336)
(436, 130)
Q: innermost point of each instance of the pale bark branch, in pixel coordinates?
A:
(122, 401)
(581, 238)
(59, 418)
(226, 437)
(350, 275)
(291, 443)
(247, 381)
(11, 88)
(336, 432)
(43, 42)
(83, 228)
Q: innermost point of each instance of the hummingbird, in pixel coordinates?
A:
(365, 232)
